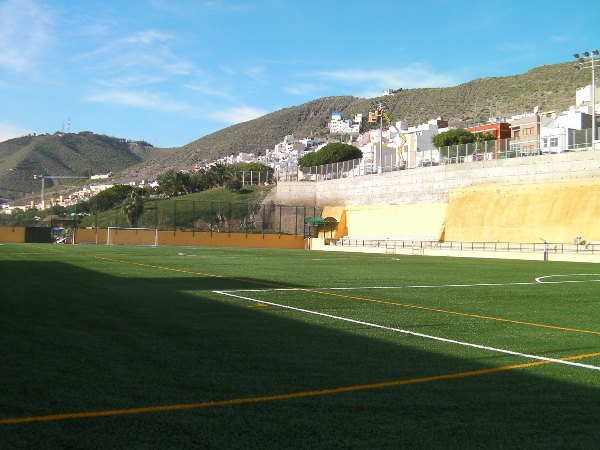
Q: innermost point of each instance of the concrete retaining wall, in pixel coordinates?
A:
(433, 184)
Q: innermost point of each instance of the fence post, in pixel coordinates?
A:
(193, 218)
(174, 216)
(296, 221)
(229, 220)
(280, 208)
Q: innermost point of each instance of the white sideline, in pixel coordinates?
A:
(414, 333)
(538, 280)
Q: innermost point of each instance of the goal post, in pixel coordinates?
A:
(132, 236)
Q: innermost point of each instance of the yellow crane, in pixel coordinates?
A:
(379, 112)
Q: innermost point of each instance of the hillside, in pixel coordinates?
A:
(552, 87)
(61, 154)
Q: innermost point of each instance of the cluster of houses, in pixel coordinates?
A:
(401, 146)
(397, 144)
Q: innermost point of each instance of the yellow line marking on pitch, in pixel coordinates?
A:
(456, 313)
(371, 300)
(188, 272)
(293, 395)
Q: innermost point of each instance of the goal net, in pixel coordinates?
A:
(132, 236)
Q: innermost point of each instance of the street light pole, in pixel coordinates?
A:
(588, 57)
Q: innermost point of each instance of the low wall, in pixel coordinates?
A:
(199, 239)
(12, 234)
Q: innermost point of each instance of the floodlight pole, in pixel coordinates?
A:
(588, 57)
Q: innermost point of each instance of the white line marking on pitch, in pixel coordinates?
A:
(359, 288)
(413, 333)
(541, 280)
(538, 280)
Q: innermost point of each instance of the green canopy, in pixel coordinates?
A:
(315, 221)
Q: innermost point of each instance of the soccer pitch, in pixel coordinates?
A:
(181, 347)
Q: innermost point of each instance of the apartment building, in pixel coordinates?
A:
(525, 133)
(337, 124)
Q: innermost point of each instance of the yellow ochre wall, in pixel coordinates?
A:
(401, 221)
(193, 238)
(339, 214)
(12, 234)
(555, 212)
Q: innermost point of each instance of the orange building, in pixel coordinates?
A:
(500, 130)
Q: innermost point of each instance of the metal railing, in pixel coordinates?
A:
(412, 244)
(575, 140)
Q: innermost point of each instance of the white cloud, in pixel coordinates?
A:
(413, 76)
(144, 100)
(138, 59)
(9, 131)
(256, 74)
(25, 33)
(237, 114)
(149, 37)
(225, 6)
(304, 89)
(209, 88)
(561, 38)
(517, 47)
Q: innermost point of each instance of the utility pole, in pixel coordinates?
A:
(586, 60)
(51, 177)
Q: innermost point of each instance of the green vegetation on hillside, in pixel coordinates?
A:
(63, 154)
(552, 87)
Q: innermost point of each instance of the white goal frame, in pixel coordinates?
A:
(111, 231)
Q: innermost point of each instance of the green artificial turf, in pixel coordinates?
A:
(87, 329)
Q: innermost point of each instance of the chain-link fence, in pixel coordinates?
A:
(187, 215)
(573, 140)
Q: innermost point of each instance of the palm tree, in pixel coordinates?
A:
(133, 207)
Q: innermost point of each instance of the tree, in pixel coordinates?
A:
(250, 166)
(218, 174)
(173, 183)
(253, 171)
(482, 137)
(331, 153)
(455, 136)
(133, 207)
(233, 185)
(109, 198)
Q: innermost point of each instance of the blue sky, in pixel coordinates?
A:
(170, 72)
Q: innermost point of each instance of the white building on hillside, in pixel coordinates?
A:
(583, 99)
(418, 149)
(564, 131)
(338, 125)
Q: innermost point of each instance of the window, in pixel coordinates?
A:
(554, 142)
(544, 142)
